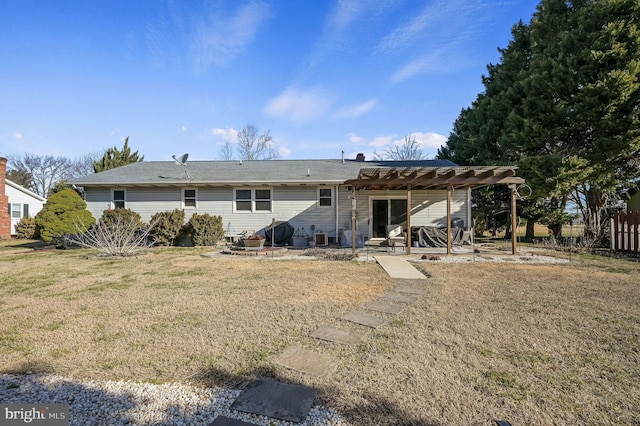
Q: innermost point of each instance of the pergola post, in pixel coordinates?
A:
(409, 219)
(449, 190)
(514, 237)
(353, 223)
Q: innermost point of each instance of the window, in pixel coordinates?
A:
(118, 198)
(325, 197)
(243, 200)
(16, 210)
(189, 198)
(252, 200)
(263, 200)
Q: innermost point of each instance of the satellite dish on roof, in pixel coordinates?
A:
(182, 161)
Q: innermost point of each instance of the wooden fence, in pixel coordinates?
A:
(624, 232)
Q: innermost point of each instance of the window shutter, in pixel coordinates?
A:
(25, 210)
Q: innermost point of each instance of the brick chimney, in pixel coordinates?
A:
(5, 218)
(360, 157)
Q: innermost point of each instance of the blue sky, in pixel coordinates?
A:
(77, 77)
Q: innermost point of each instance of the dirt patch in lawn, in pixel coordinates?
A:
(534, 344)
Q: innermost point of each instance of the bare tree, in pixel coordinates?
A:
(226, 153)
(83, 164)
(409, 149)
(45, 170)
(253, 146)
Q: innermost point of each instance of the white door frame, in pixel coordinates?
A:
(381, 197)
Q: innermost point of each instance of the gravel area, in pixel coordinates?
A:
(530, 258)
(130, 403)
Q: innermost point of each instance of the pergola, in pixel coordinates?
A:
(437, 178)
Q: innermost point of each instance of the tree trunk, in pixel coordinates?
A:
(530, 233)
(556, 230)
(596, 203)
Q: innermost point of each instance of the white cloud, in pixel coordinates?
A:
(183, 128)
(429, 140)
(219, 38)
(355, 139)
(381, 141)
(229, 134)
(433, 25)
(357, 110)
(299, 106)
(437, 37)
(284, 151)
(432, 62)
(344, 14)
(17, 135)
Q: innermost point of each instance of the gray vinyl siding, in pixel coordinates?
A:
(148, 201)
(98, 200)
(296, 204)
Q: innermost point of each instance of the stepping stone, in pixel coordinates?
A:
(395, 297)
(363, 319)
(387, 308)
(410, 290)
(338, 335)
(306, 361)
(412, 283)
(278, 400)
(228, 421)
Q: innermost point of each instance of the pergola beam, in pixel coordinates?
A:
(435, 178)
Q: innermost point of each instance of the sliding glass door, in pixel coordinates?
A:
(387, 211)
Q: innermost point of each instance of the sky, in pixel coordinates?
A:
(322, 76)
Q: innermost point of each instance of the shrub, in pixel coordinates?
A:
(120, 234)
(64, 213)
(27, 229)
(122, 216)
(167, 227)
(206, 230)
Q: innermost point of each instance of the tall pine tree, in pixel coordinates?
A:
(563, 105)
(113, 158)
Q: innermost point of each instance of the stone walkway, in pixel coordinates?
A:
(293, 402)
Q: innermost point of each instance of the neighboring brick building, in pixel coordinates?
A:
(5, 218)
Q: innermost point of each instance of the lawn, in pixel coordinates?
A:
(534, 344)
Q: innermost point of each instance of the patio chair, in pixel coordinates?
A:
(396, 237)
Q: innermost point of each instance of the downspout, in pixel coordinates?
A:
(449, 189)
(514, 237)
(469, 212)
(409, 220)
(337, 211)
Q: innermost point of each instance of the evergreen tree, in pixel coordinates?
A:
(113, 158)
(21, 177)
(64, 213)
(564, 106)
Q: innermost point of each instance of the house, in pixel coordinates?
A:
(318, 195)
(633, 202)
(16, 202)
(22, 203)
